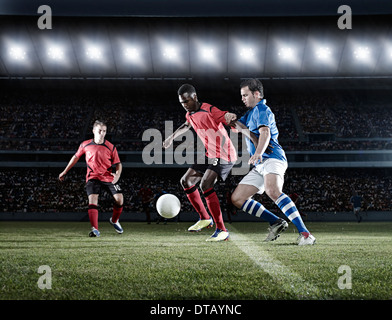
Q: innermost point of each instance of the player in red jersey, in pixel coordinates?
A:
(100, 156)
(209, 123)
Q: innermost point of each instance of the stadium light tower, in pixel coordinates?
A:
(207, 54)
(132, 54)
(247, 53)
(170, 52)
(286, 54)
(362, 54)
(323, 54)
(94, 52)
(56, 53)
(17, 53)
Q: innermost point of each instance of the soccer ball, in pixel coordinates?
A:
(168, 205)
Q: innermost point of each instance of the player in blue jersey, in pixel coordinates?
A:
(270, 164)
(356, 201)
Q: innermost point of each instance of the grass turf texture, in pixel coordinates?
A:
(164, 262)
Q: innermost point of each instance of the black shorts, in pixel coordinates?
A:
(95, 186)
(222, 168)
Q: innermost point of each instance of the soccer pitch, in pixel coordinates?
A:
(58, 261)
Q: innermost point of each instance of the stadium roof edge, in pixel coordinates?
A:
(194, 8)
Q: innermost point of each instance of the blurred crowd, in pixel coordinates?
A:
(46, 124)
(40, 123)
(319, 190)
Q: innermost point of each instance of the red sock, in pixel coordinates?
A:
(117, 210)
(214, 207)
(193, 195)
(93, 215)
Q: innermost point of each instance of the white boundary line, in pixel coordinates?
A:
(289, 281)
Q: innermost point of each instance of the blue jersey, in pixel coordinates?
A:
(261, 115)
(356, 201)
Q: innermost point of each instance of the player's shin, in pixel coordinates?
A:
(214, 207)
(287, 206)
(117, 210)
(194, 198)
(256, 209)
(93, 215)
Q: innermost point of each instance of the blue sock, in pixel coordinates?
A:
(291, 212)
(257, 209)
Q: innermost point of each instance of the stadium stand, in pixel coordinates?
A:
(39, 133)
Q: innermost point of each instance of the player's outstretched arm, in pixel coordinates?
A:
(245, 131)
(181, 130)
(230, 118)
(70, 164)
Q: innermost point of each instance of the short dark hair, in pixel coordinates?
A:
(253, 85)
(186, 88)
(99, 123)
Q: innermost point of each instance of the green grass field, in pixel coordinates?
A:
(165, 262)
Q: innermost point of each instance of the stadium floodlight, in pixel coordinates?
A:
(94, 52)
(207, 54)
(132, 54)
(56, 53)
(17, 53)
(323, 53)
(286, 53)
(362, 54)
(170, 52)
(247, 53)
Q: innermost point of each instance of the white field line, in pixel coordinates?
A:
(289, 281)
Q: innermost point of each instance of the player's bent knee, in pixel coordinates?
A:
(93, 199)
(273, 193)
(237, 200)
(184, 182)
(119, 201)
(206, 185)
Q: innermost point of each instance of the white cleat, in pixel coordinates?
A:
(305, 239)
(202, 223)
(94, 233)
(117, 226)
(219, 235)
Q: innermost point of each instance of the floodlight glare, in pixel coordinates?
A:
(56, 53)
(362, 53)
(286, 53)
(17, 53)
(94, 53)
(247, 53)
(170, 52)
(323, 53)
(132, 54)
(207, 54)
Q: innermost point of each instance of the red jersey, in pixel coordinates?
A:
(99, 158)
(208, 123)
(146, 195)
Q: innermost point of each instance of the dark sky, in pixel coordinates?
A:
(194, 8)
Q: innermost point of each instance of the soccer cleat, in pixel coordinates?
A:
(94, 233)
(117, 226)
(219, 235)
(305, 238)
(202, 223)
(276, 229)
